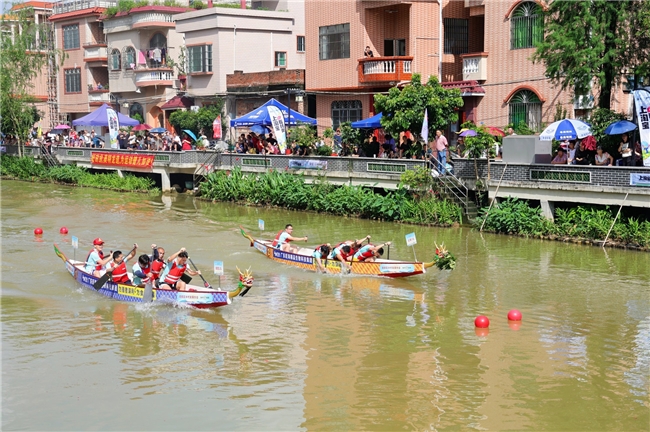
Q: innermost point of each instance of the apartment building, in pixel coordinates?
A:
(83, 77)
(145, 54)
(245, 55)
(481, 47)
(39, 91)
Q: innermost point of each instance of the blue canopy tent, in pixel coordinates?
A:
(99, 118)
(260, 116)
(369, 123)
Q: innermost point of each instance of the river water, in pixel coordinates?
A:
(315, 352)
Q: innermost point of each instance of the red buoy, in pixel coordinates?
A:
(482, 321)
(514, 315)
(63, 230)
(38, 231)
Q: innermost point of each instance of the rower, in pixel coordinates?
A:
(283, 238)
(370, 252)
(176, 267)
(342, 253)
(117, 268)
(157, 263)
(96, 261)
(142, 271)
(321, 252)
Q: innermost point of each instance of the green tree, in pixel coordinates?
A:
(594, 41)
(403, 109)
(22, 59)
(199, 120)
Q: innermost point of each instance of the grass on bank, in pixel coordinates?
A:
(518, 217)
(288, 190)
(26, 168)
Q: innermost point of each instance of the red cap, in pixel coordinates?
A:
(98, 241)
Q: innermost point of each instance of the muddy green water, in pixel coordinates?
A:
(316, 352)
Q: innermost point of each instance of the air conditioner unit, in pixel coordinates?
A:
(176, 84)
(194, 108)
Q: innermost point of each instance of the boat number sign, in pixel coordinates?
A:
(260, 224)
(75, 242)
(218, 268)
(410, 239)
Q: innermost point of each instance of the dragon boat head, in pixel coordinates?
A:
(245, 281)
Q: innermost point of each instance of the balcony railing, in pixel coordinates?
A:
(95, 53)
(152, 19)
(99, 98)
(75, 5)
(385, 69)
(146, 77)
(475, 66)
(101, 43)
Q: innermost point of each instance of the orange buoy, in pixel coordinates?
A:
(38, 231)
(482, 321)
(514, 315)
(63, 230)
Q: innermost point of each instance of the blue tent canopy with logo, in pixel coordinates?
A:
(99, 118)
(260, 116)
(373, 122)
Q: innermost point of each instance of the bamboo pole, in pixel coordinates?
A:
(495, 197)
(614, 222)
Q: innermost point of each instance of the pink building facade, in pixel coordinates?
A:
(482, 47)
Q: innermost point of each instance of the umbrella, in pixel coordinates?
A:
(468, 133)
(142, 126)
(461, 131)
(495, 131)
(566, 129)
(61, 126)
(619, 127)
(258, 129)
(190, 133)
(158, 130)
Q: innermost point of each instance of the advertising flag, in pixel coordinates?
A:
(425, 128)
(277, 119)
(642, 104)
(216, 128)
(113, 127)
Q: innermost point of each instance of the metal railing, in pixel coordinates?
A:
(75, 5)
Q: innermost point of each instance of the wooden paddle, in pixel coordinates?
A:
(102, 280)
(205, 283)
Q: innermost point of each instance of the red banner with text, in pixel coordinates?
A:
(122, 160)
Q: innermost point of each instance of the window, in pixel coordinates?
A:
(456, 36)
(136, 109)
(116, 60)
(71, 36)
(334, 42)
(158, 41)
(200, 58)
(73, 80)
(280, 59)
(525, 106)
(128, 58)
(300, 41)
(345, 111)
(526, 26)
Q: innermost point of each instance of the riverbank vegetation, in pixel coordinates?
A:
(290, 191)
(585, 223)
(26, 168)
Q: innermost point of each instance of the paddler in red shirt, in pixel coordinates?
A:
(117, 268)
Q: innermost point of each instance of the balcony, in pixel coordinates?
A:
(475, 66)
(98, 97)
(155, 77)
(94, 44)
(75, 5)
(95, 54)
(378, 70)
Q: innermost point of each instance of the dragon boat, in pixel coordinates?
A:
(302, 258)
(196, 296)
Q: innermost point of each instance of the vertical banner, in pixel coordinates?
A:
(113, 126)
(642, 103)
(218, 268)
(216, 128)
(260, 224)
(277, 119)
(425, 129)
